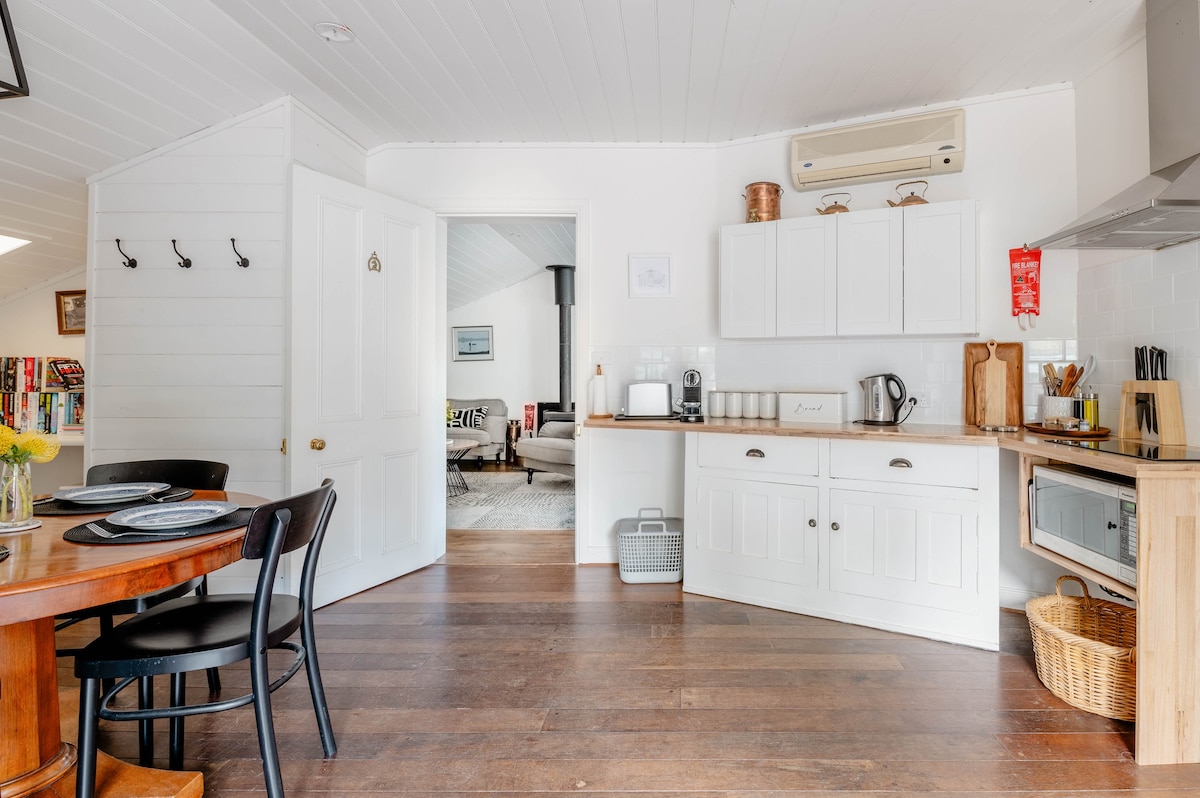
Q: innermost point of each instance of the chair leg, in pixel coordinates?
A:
(214, 675)
(106, 626)
(529, 476)
(175, 756)
(260, 686)
(89, 729)
(316, 687)
(146, 727)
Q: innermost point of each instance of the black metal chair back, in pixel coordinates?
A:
(194, 474)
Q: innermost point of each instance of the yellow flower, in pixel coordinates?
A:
(27, 447)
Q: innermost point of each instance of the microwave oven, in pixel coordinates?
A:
(1087, 517)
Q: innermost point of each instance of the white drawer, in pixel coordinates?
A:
(906, 463)
(773, 454)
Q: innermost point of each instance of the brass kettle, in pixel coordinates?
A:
(913, 198)
(836, 207)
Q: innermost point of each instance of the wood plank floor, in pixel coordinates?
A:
(556, 679)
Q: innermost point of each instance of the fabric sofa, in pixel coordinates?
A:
(490, 434)
(552, 450)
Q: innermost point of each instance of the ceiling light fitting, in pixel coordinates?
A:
(21, 87)
(330, 31)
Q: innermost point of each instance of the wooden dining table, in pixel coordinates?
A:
(45, 576)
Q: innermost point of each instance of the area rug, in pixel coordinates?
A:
(503, 500)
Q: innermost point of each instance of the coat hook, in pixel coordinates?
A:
(129, 262)
(186, 262)
(243, 262)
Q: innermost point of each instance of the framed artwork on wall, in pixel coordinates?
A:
(649, 275)
(71, 307)
(472, 343)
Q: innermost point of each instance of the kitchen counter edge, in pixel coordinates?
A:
(1024, 442)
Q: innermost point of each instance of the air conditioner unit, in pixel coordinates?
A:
(928, 144)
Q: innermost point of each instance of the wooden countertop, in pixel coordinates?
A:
(1024, 442)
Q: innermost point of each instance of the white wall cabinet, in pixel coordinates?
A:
(896, 535)
(888, 271)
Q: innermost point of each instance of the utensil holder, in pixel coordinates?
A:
(1164, 396)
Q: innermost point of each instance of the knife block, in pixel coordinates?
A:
(1164, 398)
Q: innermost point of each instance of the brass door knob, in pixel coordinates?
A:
(316, 444)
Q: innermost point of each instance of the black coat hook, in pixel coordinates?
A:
(130, 262)
(243, 262)
(186, 263)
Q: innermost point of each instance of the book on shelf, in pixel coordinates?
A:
(68, 373)
(41, 394)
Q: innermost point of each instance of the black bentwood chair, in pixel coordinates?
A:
(193, 474)
(196, 632)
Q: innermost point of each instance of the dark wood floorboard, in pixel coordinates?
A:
(554, 680)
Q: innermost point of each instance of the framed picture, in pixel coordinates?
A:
(649, 275)
(472, 343)
(71, 311)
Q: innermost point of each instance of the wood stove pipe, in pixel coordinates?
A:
(564, 297)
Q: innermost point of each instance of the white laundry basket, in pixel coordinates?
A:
(650, 547)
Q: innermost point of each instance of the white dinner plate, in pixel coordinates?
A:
(113, 492)
(171, 516)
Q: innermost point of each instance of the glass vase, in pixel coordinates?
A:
(16, 495)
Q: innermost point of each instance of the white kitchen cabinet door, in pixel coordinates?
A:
(870, 272)
(940, 268)
(913, 550)
(748, 280)
(806, 276)
(759, 530)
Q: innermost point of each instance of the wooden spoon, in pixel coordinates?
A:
(1070, 377)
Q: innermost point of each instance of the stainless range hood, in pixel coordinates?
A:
(1163, 209)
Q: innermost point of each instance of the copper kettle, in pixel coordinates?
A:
(836, 207)
(913, 198)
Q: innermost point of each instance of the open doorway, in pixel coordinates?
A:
(505, 333)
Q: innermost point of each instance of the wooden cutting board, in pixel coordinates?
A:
(977, 404)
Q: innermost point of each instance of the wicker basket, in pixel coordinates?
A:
(1085, 650)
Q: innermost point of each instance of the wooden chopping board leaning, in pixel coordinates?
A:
(993, 385)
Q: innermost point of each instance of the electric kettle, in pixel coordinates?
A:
(883, 398)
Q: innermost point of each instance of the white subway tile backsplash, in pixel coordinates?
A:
(1043, 351)
(1187, 286)
(1176, 260)
(1176, 316)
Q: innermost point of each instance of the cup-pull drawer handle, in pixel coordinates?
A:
(900, 462)
(755, 453)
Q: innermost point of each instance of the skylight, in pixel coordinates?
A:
(8, 244)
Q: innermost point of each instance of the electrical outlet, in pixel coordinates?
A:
(923, 399)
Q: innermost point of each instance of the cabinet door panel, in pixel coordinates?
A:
(748, 280)
(806, 273)
(940, 268)
(756, 529)
(916, 550)
(870, 273)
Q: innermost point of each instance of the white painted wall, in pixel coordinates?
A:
(524, 322)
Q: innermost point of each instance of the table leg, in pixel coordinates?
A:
(456, 483)
(34, 759)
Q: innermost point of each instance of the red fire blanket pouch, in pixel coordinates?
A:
(1025, 272)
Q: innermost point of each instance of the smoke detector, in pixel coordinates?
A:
(334, 32)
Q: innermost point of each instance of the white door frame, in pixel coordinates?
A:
(516, 207)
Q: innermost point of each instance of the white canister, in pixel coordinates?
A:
(733, 405)
(768, 405)
(716, 404)
(749, 405)
(1056, 407)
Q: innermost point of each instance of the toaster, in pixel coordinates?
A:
(648, 398)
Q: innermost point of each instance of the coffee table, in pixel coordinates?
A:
(456, 484)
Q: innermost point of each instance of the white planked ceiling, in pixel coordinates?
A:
(111, 79)
(487, 255)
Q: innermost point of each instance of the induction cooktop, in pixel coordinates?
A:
(1143, 450)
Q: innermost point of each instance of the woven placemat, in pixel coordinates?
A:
(60, 507)
(81, 534)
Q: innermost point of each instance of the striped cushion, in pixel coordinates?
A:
(468, 417)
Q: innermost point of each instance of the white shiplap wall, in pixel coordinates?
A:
(191, 362)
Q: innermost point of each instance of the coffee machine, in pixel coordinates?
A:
(689, 406)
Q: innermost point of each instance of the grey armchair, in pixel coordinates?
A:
(490, 435)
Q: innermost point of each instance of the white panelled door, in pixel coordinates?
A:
(364, 407)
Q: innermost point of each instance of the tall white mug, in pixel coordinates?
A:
(749, 405)
(733, 404)
(768, 405)
(716, 404)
